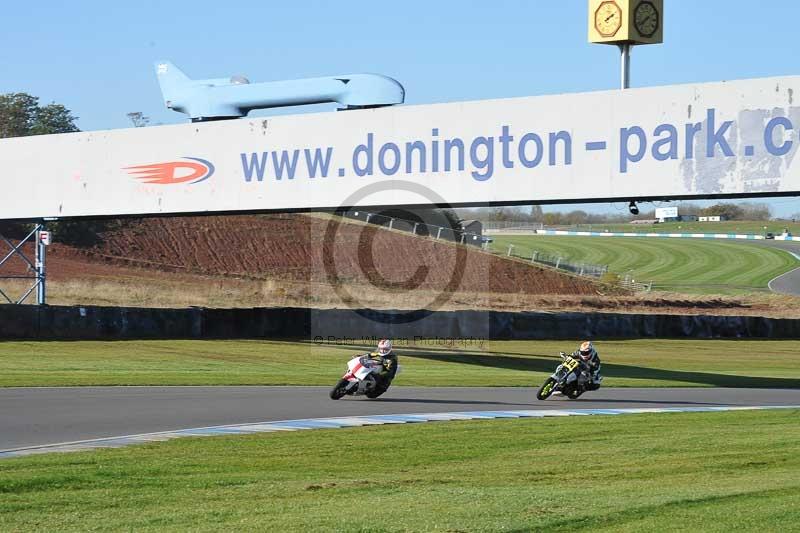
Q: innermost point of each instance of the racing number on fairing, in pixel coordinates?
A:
(570, 363)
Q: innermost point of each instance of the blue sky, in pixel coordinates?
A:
(96, 57)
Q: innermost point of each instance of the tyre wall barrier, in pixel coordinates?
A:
(329, 325)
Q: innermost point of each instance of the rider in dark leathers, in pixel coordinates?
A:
(590, 361)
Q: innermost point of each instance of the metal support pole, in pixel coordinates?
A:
(625, 65)
(510, 249)
(41, 272)
(415, 228)
(439, 233)
(391, 223)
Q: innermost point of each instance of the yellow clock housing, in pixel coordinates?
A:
(626, 21)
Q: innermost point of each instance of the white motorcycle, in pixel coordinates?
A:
(360, 379)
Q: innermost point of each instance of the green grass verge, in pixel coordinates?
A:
(681, 265)
(746, 227)
(657, 472)
(629, 363)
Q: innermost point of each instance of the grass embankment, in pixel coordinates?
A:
(680, 265)
(693, 472)
(744, 227)
(630, 363)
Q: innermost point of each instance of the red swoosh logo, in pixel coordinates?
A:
(168, 173)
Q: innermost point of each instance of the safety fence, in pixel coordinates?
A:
(631, 284)
(499, 227)
(559, 263)
(448, 233)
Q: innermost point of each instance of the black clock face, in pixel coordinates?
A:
(646, 19)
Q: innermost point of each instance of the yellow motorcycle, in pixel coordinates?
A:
(570, 379)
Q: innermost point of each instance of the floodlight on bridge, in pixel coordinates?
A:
(225, 98)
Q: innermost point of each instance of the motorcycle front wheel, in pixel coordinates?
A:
(546, 389)
(339, 390)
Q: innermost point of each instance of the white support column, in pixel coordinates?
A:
(625, 65)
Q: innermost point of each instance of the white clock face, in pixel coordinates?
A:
(645, 19)
(608, 19)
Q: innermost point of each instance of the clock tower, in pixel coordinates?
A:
(626, 21)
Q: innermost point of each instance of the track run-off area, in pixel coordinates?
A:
(43, 417)
(788, 283)
(57, 392)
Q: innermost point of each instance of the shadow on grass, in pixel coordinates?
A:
(541, 363)
(610, 370)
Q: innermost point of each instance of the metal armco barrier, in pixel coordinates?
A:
(75, 323)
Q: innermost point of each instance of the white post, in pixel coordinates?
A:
(625, 65)
(439, 233)
(391, 223)
(510, 249)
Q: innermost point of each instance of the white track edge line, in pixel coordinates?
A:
(457, 416)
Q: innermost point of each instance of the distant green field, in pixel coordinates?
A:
(733, 226)
(679, 265)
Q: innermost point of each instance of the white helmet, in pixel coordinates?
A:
(587, 350)
(385, 347)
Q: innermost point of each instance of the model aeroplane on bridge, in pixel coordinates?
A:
(234, 97)
(713, 140)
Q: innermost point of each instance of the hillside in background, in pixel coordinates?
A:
(296, 247)
(281, 260)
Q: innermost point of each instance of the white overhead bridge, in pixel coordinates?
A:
(732, 139)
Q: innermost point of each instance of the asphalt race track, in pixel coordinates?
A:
(788, 283)
(39, 416)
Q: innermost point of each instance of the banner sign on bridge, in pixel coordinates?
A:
(701, 141)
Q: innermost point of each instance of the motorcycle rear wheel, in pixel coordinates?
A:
(375, 393)
(546, 389)
(573, 394)
(339, 390)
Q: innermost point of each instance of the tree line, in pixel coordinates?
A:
(22, 115)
